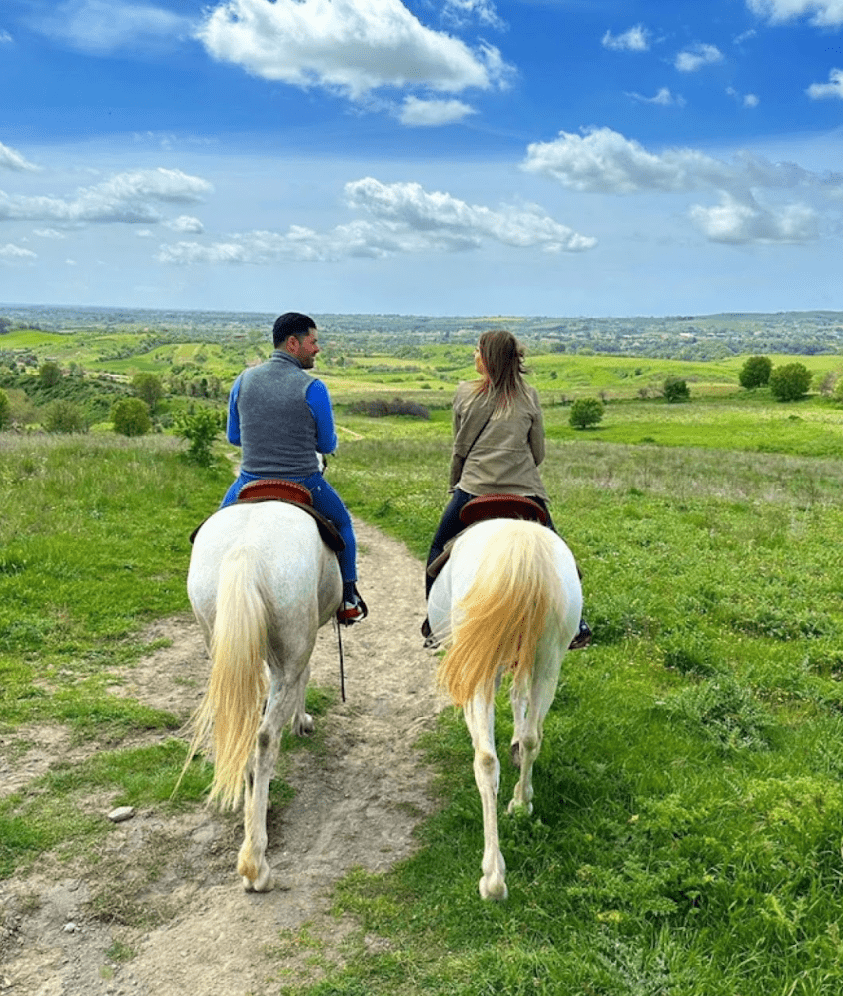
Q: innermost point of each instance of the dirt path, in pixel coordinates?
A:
(159, 909)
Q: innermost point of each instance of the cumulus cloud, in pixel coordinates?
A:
(401, 218)
(186, 223)
(103, 26)
(129, 197)
(15, 254)
(741, 221)
(604, 161)
(12, 159)
(427, 113)
(460, 12)
(664, 98)
(747, 99)
(825, 13)
(350, 46)
(635, 39)
(694, 58)
(834, 87)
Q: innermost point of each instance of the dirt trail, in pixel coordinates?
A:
(159, 909)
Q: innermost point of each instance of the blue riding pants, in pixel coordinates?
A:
(327, 502)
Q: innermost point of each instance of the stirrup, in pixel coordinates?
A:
(349, 613)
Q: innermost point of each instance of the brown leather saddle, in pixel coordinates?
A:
(294, 494)
(497, 506)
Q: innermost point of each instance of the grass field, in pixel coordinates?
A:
(689, 796)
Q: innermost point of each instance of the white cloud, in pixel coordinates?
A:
(350, 46)
(127, 197)
(48, 233)
(834, 87)
(742, 221)
(635, 39)
(427, 113)
(747, 100)
(4, 37)
(603, 161)
(102, 26)
(402, 218)
(12, 159)
(459, 12)
(692, 59)
(186, 223)
(14, 254)
(826, 13)
(664, 98)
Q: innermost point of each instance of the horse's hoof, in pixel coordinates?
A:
(493, 889)
(305, 726)
(519, 807)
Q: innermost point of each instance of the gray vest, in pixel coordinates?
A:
(277, 428)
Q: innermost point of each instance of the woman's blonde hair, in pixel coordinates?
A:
(503, 360)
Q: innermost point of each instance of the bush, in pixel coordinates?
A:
(585, 412)
(790, 382)
(49, 374)
(5, 411)
(378, 408)
(64, 416)
(755, 372)
(200, 429)
(131, 417)
(676, 389)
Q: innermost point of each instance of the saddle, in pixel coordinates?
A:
(293, 494)
(497, 506)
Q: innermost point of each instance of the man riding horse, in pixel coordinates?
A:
(282, 418)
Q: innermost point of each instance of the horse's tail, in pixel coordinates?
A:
(515, 594)
(230, 713)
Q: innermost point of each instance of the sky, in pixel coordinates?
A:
(432, 157)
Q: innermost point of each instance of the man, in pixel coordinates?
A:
(282, 418)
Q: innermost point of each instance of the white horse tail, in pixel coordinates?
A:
(231, 712)
(503, 615)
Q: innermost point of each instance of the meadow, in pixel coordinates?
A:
(687, 838)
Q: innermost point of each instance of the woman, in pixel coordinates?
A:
(498, 441)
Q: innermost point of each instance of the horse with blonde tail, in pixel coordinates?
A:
(508, 600)
(261, 583)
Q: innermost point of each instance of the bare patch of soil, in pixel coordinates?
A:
(160, 909)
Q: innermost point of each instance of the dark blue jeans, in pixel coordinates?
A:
(450, 525)
(327, 502)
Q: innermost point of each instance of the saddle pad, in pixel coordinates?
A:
(275, 488)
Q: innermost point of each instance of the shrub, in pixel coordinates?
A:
(200, 429)
(585, 412)
(131, 417)
(5, 411)
(675, 389)
(64, 416)
(790, 382)
(49, 373)
(378, 408)
(755, 372)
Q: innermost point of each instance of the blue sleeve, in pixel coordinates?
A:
(319, 403)
(232, 431)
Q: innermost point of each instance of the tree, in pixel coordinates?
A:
(675, 389)
(755, 372)
(148, 388)
(5, 411)
(64, 416)
(49, 373)
(131, 417)
(585, 412)
(200, 429)
(790, 382)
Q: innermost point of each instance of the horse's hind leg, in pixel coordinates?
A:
(480, 720)
(529, 708)
(251, 862)
(302, 722)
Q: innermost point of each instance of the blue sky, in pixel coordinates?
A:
(460, 157)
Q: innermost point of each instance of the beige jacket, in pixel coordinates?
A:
(505, 457)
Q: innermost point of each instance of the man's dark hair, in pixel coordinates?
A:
(291, 323)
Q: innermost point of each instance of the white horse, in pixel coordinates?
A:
(261, 583)
(509, 599)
